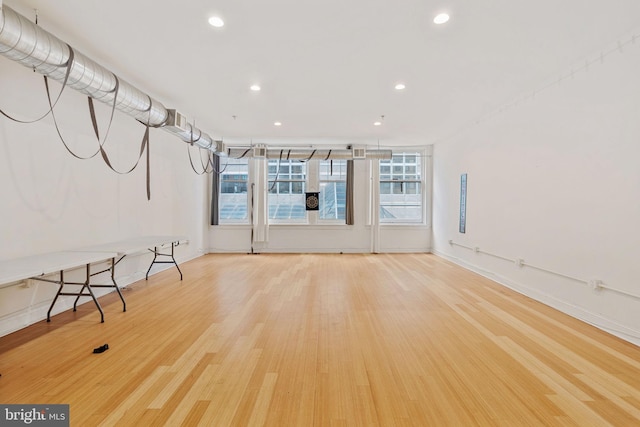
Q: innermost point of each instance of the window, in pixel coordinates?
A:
(333, 189)
(401, 189)
(233, 196)
(287, 181)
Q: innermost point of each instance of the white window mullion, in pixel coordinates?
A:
(260, 202)
(374, 204)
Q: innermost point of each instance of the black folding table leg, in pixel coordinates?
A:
(113, 271)
(79, 294)
(155, 255)
(60, 285)
(87, 285)
(174, 260)
(95, 300)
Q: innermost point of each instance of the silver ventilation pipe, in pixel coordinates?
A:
(304, 153)
(26, 43)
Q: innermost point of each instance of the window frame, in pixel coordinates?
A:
(404, 177)
(221, 182)
(276, 184)
(343, 179)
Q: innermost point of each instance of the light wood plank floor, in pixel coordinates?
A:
(323, 340)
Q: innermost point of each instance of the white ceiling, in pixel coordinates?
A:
(327, 68)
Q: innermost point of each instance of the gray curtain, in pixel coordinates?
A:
(349, 207)
(215, 193)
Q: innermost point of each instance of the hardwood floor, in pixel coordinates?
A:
(323, 340)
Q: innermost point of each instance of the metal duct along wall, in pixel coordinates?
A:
(307, 153)
(26, 43)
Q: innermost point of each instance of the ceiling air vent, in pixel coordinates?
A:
(221, 147)
(177, 121)
(359, 153)
(260, 151)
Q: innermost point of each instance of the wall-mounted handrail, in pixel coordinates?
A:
(594, 284)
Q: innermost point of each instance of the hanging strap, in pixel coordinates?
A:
(143, 145)
(244, 154)
(309, 158)
(52, 104)
(93, 121)
(275, 180)
(68, 64)
(92, 111)
(205, 168)
(146, 134)
(226, 164)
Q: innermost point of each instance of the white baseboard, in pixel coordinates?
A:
(314, 250)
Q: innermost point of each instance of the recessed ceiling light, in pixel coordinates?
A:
(377, 123)
(441, 18)
(216, 21)
(255, 88)
(277, 123)
(400, 86)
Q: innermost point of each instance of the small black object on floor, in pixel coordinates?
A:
(101, 349)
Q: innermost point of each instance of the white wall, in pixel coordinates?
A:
(555, 181)
(357, 238)
(50, 201)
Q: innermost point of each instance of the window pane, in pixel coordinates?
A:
(233, 198)
(396, 188)
(333, 196)
(333, 189)
(333, 170)
(286, 196)
(401, 199)
(297, 187)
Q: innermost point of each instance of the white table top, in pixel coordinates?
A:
(14, 270)
(133, 245)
